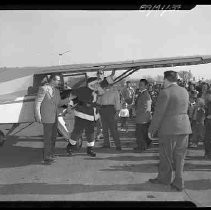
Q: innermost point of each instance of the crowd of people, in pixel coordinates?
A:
(178, 113)
(198, 109)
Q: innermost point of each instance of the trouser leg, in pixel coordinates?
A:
(140, 136)
(126, 123)
(105, 127)
(89, 132)
(207, 137)
(112, 122)
(181, 144)
(165, 168)
(48, 133)
(197, 133)
(145, 127)
(76, 133)
(54, 135)
(78, 129)
(122, 122)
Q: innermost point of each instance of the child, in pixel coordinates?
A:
(124, 115)
(198, 122)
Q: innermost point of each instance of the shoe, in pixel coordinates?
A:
(155, 181)
(69, 149)
(90, 152)
(48, 161)
(174, 187)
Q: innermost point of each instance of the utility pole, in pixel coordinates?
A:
(61, 54)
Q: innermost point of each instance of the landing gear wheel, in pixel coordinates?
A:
(2, 138)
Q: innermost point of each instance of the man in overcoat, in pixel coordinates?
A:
(143, 116)
(172, 123)
(46, 112)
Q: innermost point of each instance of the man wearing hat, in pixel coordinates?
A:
(109, 111)
(95, 83)
(172, 123)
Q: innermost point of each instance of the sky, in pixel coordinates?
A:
(36, 37)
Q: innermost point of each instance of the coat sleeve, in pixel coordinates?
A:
(39, 99)
(160, 108)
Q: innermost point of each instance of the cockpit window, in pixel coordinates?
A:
(74, 81)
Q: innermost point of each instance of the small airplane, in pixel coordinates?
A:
(19, 86)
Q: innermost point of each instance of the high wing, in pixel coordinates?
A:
(7, 74)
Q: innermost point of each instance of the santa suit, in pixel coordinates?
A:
(85, 115)
(86, 112)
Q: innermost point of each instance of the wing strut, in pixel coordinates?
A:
(126, 74)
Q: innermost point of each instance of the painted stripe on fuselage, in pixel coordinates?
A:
(17, 101)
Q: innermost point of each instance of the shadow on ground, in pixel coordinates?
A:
(137, 168)
(127, 158)
(54, 189)
(199, 184)
(17, 156)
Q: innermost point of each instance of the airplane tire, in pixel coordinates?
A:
(2, 138)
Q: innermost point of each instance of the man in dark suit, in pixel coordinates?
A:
(171, 121)
(143, 116)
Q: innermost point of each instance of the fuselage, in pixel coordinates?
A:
(16, 102)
